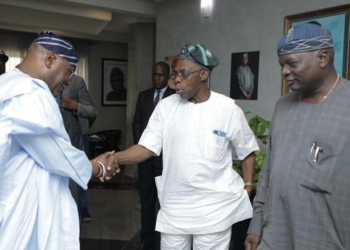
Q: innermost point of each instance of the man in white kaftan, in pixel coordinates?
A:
(203, 165)
(37, 211)
(200, 194)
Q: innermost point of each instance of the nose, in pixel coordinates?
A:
(285, 71)
(177, 79)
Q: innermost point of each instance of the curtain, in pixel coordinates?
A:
(15, 45)
(82, 48)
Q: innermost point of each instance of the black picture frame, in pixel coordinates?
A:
(253, 65)
(110, 96)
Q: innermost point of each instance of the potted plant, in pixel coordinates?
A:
(259, 126)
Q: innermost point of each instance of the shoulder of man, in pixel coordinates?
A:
(346, 84)
(15, 84)
(170, 91)
(225, 100)
(146, 93)
(77, 78)
(289, 97)
(171, 99)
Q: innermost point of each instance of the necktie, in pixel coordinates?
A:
(156, 100)
(58, 100)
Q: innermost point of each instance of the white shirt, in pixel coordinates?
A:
(199, 192)
(37, 210)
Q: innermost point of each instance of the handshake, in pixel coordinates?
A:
(105, 166)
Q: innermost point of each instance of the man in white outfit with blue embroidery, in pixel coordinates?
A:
(37, 210)
(200, 195)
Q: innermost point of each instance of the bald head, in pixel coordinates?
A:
(165, 67)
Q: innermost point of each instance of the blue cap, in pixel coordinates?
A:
(59, 46)
(303, 38)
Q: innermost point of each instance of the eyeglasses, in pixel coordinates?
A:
(72, 71)
(184, 75)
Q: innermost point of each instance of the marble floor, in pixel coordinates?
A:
(115, 212)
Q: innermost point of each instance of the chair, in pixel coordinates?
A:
(103, 141)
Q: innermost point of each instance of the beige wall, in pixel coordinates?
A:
(108, 117)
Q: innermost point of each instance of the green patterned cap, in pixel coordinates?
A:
(199, 54)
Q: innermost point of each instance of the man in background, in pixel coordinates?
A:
(3, 59)
(116, 80)
(153, 166)
(302, 199)
(76, 102)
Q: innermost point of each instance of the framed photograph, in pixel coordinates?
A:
(171, 60)
(335, 19)
(245, 75)
(114, 81)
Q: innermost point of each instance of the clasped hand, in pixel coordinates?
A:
(110, 162)
(69, 103)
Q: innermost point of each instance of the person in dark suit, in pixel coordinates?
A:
(76, 102)
(149, 169)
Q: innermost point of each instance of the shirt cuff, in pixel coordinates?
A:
(255, 226)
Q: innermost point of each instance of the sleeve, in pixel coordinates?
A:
(152, 136)
(34, 120)
(86, 108)
(263, 186)
(242, 136)
(260, 198)
(137, 121)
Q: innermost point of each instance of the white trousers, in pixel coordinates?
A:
(213, 241)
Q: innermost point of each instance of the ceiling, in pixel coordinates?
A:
(105, 20)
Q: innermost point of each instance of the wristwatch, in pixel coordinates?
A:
(248, 184)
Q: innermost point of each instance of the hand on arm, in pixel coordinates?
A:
(248, 169)
(69, 103)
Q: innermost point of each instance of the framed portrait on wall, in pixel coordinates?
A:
(114, 80)
(171, 60)
(244, 75)
(335, 19)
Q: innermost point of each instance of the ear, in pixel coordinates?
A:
(204, 75)
(50, 60)
(323, 56)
